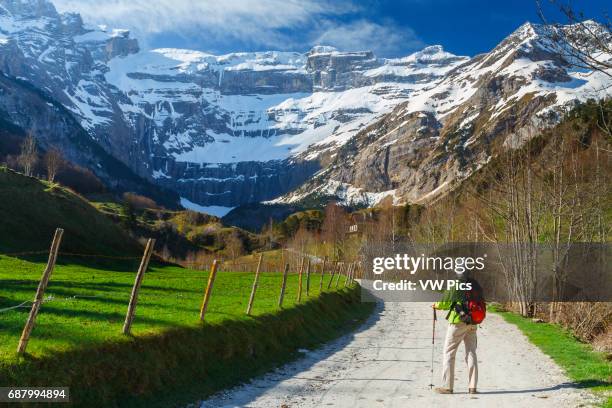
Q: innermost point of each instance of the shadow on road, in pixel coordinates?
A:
(566, 385)
(254, 390)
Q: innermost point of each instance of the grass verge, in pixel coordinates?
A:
(584, 366)
(172, 359)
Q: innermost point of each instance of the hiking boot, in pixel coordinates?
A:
(472, 391)
(443, 390)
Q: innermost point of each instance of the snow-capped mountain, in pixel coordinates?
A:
(247, 127)
(226, 130)
(221, 130)
(445, 132)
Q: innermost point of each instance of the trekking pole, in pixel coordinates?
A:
(433, 340)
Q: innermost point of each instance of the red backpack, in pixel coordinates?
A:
(473, 309)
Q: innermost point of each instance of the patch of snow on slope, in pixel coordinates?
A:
(229, 149)
(345, 193)
(216, 210)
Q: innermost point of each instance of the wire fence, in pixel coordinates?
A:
(80, 297)
(23, 304)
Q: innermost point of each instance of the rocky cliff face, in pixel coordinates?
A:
(427, 145)
(244, 120)
(25, 109)
(233, 129)
(240, 119)
(231, 183)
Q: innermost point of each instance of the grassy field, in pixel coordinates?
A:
(86, 306)
(172, 358)
(584, 366)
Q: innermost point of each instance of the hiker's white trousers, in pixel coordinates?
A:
(455, 334)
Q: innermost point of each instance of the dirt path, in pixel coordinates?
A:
(387, 364)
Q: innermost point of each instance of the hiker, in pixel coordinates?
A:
(466, 309)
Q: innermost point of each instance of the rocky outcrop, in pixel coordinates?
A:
(270, 82)
(121, 45)
(426, 146)
(231, 183)
(242, 127)
(333, 70)
(31, 111)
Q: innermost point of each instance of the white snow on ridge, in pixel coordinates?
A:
(170, 61)
(261, 126)
(456, 88)
(283, 124)
(345, 193)
(430, 60)
(426, 55)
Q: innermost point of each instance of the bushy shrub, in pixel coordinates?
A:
(139, 202)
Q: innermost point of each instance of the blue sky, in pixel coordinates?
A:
(388, 27)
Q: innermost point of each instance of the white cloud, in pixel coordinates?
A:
(245, 20)
(216, 25)
(384, 39)
(165, 15)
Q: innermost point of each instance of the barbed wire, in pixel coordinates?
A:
(239, 290)
(75, 254)
(15, 307)
(227, 288)
(23, 253)
(98, 255)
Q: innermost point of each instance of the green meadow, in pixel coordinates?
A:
(85, 306)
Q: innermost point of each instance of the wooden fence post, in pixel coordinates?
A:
(299, 296)
(308, 278)
(322, 274)
(252, 298)
(208, 292)
(144, 264)
(283, 286)
(357, 268)
(352, 279)
(331, 279)
(339, 274)
(40, 292)
(348, 274)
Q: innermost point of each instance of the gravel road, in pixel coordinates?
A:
(386, 363)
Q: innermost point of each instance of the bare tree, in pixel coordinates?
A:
(386, 220)
(334, 228)
(268, 232)
(54, 162)
(585, 44)
(518, 201)
(302, 240)
(234, 245)
(29, 155)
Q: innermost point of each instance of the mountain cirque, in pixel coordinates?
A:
(248, 127)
